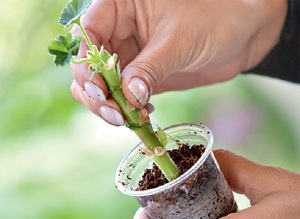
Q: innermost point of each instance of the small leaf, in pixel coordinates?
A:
(73, 11)
(130, 107)
(144, 116)
(104, 54)
(64, 48)
(162, 136)
(111, 62)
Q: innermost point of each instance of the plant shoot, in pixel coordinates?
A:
(65, 49)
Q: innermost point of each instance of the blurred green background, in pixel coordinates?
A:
(57, 160)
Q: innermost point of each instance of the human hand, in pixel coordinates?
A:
(172, 45)
(273, 192)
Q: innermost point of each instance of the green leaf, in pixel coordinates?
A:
(104, 54)
(73, 11)
(162, 136)
(64, 48)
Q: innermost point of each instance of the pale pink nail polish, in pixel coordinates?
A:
(139, 89)
(111, 115)
(94, 91)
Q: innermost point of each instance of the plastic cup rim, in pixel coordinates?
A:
(168, 185)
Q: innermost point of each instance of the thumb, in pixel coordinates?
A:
(273, 192)
(146, 72)
(254, 180)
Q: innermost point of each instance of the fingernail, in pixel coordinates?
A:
(139, 89)
(94, 91)
(111, 115)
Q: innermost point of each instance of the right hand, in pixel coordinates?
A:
(173, 45)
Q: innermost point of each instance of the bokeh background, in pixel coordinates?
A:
(58, 160)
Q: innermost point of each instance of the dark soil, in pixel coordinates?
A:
(184, 157)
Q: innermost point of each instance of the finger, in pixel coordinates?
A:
(254, 180)
(257, 211)
(92, 90)
(148, 70)
(140, 214)
(109, 111)
(150, 108)
(99, 26)
(82, 75)
(187, 80)
(75, 90)
(153, 70)
(278, 205)
(110, 24)
(96, 86)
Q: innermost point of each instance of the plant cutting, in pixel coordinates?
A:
(155, 145)
(65, 47)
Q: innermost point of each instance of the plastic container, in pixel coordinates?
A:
(201, 192)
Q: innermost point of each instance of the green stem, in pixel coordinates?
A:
(133, 115)
(87, 39)
(80, 61)
(104, 63)
(144, 131)
(164, 162)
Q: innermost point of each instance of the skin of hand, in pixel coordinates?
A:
(273, 192)
(174, 45)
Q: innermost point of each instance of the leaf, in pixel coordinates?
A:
(162, 136)
(111, 62)
(130, 107)
(104, 54)
(73, 11)
(64, 48)
(144, 116)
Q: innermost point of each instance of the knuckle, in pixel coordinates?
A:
(152, 72)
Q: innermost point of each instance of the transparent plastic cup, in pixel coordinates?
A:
(201, 192)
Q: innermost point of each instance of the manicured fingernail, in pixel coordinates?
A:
(94, 91)
(139, 89)
(111, 115)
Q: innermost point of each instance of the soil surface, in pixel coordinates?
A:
(184, 157)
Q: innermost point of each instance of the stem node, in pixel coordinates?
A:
(159, 151)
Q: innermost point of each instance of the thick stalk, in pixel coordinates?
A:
(144, 131)
(164, 162)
